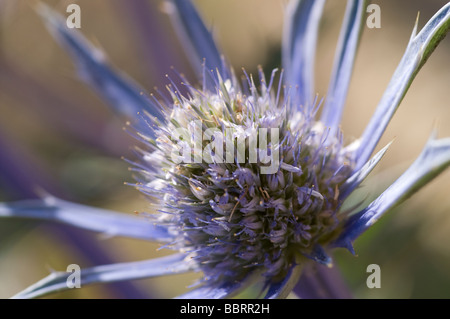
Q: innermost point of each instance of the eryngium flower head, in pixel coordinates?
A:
(254, 183)
(246, 180)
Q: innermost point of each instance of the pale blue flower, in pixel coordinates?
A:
(238, 226)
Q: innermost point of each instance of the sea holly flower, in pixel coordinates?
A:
(245, 179)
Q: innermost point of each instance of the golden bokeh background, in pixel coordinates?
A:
(65, 140)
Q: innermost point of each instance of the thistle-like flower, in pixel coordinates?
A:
(246, 179)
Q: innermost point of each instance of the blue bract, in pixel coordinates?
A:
(247, 182)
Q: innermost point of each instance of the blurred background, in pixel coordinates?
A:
(57, 135)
